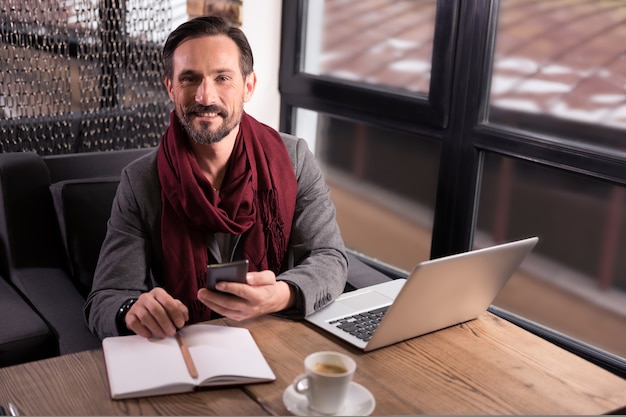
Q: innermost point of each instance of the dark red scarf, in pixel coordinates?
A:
(257, 198)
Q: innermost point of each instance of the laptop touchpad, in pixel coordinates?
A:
(366, 300)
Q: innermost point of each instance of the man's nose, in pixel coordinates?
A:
(206, 93)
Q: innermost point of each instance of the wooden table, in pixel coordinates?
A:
(486, 366)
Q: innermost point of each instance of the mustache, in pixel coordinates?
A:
(213, 108)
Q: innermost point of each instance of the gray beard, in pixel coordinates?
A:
(206, 137)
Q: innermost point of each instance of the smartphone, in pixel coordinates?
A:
(230, 271)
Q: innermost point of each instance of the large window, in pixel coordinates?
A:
(351, 56)
(560, 68)
(518, 131)
(382, 210)
(571, 282)
(364, 42)
(557, 104)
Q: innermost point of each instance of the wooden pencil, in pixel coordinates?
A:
(187, 356)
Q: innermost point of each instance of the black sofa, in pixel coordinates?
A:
(53, 215)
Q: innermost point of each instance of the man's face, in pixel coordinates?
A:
(208, 88)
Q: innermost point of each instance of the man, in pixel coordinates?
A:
(221, 186)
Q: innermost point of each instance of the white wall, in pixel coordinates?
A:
(261, 24)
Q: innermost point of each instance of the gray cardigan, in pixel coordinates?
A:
(131, 258)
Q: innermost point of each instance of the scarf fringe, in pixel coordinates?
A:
(274, 239)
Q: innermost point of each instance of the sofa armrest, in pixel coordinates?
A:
(91, 164)
(29, 233)
(361, 274)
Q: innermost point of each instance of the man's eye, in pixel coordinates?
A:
(188, 79)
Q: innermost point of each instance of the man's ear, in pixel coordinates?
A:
(249, 86)
(168, 87)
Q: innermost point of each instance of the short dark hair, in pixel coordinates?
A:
(207, 26)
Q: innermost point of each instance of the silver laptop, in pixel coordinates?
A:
(438, 293)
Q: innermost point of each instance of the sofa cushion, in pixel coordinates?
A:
(53, 295)
(83, 208)
(24, 336)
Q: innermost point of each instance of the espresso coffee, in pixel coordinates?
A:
(325, 381)
(329, 368)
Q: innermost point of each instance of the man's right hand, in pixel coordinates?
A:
(156, 314)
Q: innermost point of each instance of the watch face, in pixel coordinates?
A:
(120, 321)
(127, 305)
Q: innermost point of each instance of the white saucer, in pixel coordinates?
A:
(360, 402)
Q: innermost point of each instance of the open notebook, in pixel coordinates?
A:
(438, 293)
(221, 355)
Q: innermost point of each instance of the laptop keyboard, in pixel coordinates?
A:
(361, 325)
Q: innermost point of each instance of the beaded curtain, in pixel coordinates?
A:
(82, 75)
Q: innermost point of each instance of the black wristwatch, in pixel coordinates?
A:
(120, 317)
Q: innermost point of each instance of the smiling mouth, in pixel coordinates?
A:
(207, 114)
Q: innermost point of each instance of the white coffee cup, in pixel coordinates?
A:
(326, 380)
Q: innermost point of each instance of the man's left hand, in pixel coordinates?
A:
(262, 294)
